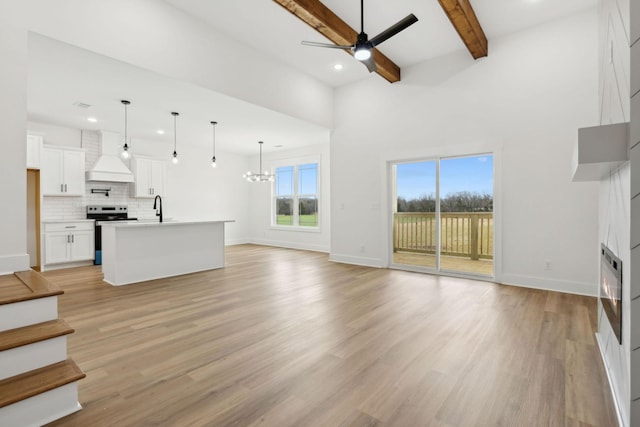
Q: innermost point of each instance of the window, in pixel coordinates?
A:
(296, 196)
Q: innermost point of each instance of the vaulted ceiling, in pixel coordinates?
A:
(266, 26)
(275, 34)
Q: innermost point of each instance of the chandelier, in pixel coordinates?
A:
(259, 177)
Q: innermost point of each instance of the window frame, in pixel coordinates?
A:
(296, 163)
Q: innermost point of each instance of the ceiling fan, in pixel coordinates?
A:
(362, 47)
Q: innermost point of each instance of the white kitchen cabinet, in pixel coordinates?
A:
(34, 149)
(62, 172)
(66, 242)
(149, 175)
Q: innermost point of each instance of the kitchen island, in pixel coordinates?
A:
(139, 251)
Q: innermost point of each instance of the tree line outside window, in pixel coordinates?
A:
(296, 195)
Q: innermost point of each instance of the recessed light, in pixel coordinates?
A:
(279, 146)
(160, 132)
(92, 119)
(338, 67)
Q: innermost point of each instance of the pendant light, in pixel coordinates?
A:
(213, 159)
(125, 147)
(259, 177)
(175, 137)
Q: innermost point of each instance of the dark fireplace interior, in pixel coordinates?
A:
(611, 289)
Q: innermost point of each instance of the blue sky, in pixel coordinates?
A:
(473, 174)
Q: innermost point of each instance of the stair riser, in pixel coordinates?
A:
(43, 408)
(27, 313)
(26, 358)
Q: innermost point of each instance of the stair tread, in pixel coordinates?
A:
(32, 383)
(34, 333)
(24, 286)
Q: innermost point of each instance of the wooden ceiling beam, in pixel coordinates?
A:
(322, 19)
(466, 23)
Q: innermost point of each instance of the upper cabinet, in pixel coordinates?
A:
(62, 172)
(34, 147)
(149, 175)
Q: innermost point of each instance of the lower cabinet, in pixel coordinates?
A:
(68, 242)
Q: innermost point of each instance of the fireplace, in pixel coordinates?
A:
(611, 289)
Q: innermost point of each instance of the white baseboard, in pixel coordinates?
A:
(291, 245)
(566, 286)
(233, 242)
(49, 267)
(12, 263)
(364, 261)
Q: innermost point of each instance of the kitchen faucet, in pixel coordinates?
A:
(159, 207)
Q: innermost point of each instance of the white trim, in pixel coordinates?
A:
(291, 245)
(616, 402)
(49, 267)
(542, 283)
(387, 159)
(295, 162)
(364, 261)
(296, 228)
(239, 241)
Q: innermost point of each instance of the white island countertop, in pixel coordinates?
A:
(139, 251)
(155, 222)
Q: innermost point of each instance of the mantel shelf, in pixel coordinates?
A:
(599, 150)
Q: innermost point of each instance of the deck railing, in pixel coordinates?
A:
(465, 234)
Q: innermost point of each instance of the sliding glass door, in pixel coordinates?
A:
(443, 214)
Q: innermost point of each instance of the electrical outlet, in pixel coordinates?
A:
(547, 265)
(362, 249)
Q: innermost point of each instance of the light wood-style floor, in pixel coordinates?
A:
(286, 338)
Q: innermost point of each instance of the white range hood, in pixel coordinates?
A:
(599, 150)
(109, 167)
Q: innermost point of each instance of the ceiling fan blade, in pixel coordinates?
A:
(329, 45)
(370, 64)
(394, 29)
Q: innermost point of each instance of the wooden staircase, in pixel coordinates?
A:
(38, 383)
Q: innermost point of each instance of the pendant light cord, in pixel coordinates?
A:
(214, 138)
(125, 123)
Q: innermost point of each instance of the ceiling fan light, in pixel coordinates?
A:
(362, 53)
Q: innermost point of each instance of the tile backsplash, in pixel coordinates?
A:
(71, 208)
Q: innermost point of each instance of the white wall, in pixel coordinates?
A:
(57, 135)
(154, 35)
(614, 198)
(260, 195)
(13, 110)
(526, 102)
(196, 191)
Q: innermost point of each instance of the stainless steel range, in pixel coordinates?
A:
(105, 213)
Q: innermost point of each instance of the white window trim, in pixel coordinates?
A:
(296, 161)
